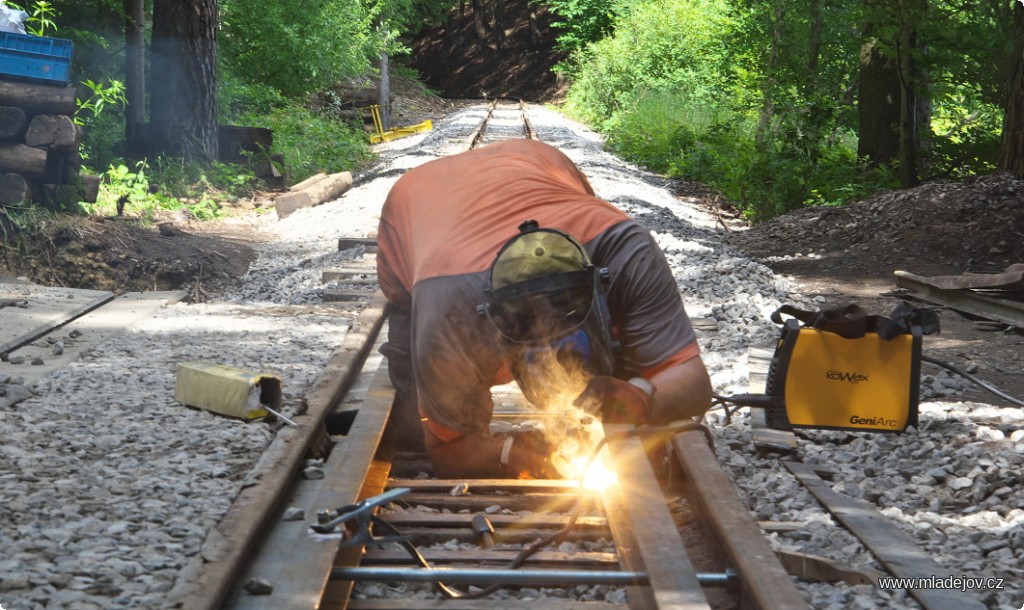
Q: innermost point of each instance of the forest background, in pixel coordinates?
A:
(774, 104)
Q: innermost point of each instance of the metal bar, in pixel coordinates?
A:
(235, 538)
(478, 133)
(296, 562)
(526, 578)
(765, 580)
(527, 125)
(645, 518)
(964, 300)
(895, 549)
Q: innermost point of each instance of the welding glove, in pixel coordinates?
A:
(527, 455)
(618, 401)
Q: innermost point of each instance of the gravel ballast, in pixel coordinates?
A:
(110, 488)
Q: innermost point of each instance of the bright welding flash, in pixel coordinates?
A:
(574, 452)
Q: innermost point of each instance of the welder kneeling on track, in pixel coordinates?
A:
(578, 306)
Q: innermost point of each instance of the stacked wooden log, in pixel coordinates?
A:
(39, 160)
(313, 191)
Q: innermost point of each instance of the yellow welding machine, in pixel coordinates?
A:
(842, 369)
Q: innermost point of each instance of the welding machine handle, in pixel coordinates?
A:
(849, 322)
(852, 322)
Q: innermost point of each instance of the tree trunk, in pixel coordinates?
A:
(535, 35)
(480, 21)
(183, 101)
(908, 107)
(134, 76)
(878, 106)
(769, 82)
(914, 128)
(1011, 148)
(384, 92)
(499, 25)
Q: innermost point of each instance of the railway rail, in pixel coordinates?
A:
(333, 511)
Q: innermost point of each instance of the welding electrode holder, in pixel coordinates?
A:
(362, 515)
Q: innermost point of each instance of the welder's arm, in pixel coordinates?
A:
(486, 457)
(681, 391)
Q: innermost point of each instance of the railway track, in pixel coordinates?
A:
(305, 530)
(332, 515)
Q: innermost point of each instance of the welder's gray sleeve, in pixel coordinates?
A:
(647, 311)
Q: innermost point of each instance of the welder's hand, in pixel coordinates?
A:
(529, 456)
(618, 401)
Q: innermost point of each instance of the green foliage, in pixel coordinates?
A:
(101, 95)
(582, 21)
(311, 142)
(294, 46)
(759, 99)
(679, 137)
(103, 138)
(21, 221)
(200, 192)
(657, 46)
(40, 17)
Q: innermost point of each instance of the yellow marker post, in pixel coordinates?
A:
(392, 134)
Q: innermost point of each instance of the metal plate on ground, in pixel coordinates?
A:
(83, 333)
(30, 311)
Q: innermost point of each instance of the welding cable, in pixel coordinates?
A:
(721, 402)
(978, 382)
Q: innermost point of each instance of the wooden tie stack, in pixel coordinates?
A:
(39, 160)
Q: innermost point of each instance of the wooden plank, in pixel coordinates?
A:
(765, 438)
(370, 269)
(707, 325)
(335, 295)
(346, 278)
(87, 331)
(895, 549)
(659, 546)
(33, 311)
(345, 243)
(1001, 310)
(765, 581)
(297, 563)
(217, 568)
(811, 568)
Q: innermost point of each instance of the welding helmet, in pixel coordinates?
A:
(546, 300)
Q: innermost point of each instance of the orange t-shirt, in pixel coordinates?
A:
(452, 215)
(440, 230)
